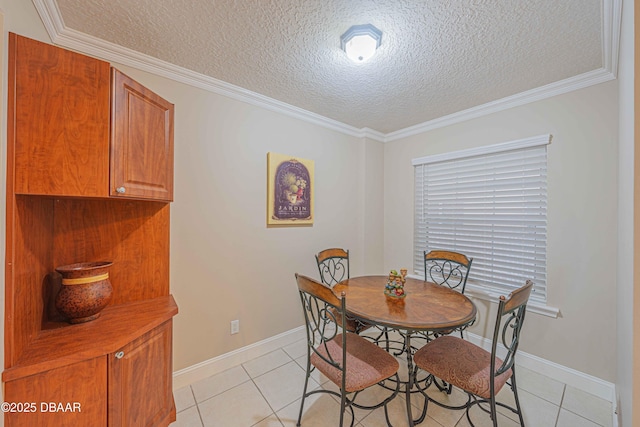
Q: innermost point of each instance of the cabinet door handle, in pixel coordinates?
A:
(120, 190)
(120, 355)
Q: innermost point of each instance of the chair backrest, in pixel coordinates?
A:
(323, 313)
(333, 265)
(509, 321)
(447, 268)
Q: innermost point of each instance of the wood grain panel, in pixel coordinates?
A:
(141, 141)
(10, 252)
(84, 383)
(67, 344)
(635, 345)
(61, 119)
(140, 382)
(29, 261)
(134, 235)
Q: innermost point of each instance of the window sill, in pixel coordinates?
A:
(481, 293)
(532, 306)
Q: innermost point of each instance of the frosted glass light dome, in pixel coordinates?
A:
(360, 42)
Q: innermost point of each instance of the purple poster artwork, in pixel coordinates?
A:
(292, 198)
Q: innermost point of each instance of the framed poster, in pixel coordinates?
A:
(290, 190)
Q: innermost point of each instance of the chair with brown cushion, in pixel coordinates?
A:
(333, 265)
(447, 268)
(351, 362)
(480, 373)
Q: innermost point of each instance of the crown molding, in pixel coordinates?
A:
(611, 31)
(568, 85)
(81, 42)
(372, 134)
(612, 21)
(75, 40)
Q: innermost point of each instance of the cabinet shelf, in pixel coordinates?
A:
(116, 326)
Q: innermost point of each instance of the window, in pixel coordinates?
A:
(489, 203)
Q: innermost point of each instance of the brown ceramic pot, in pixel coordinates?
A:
(86, 290)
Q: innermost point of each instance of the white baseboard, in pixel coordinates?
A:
(587, 383)
(581, 381)
(205, 369)
(576, 379)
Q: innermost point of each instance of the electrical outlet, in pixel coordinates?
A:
(235, 326)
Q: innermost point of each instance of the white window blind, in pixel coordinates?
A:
(490, 204)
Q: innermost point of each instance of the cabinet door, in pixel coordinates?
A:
(141, 141)
(140, 381)
(73, 395)
(58, 126)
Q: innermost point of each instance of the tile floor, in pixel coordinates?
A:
(265, 392)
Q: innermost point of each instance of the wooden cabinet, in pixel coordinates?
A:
(140, 369)
(82, 364)
(61, 159)
(142, 136)
(69, 396)
(81, 132)
(59, 120)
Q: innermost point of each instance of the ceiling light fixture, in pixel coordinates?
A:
(360, 42)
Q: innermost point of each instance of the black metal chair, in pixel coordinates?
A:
(351, 362)
(447, 268)
(333, 265)
(480, 373)
(451, 269)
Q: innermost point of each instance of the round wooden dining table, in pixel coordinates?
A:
(427, 307)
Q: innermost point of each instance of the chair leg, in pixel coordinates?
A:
(494, 412)
(343, 401)
(386, 415)
(416, 382)
(514, 389)
(304, 391)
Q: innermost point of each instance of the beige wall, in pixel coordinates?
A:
(372, 219)
(21, 18)
(582, 198)
(225, 263)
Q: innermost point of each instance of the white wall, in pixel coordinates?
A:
(625, 293)
(582, 217)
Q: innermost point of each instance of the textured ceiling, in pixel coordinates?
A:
(437, 57)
